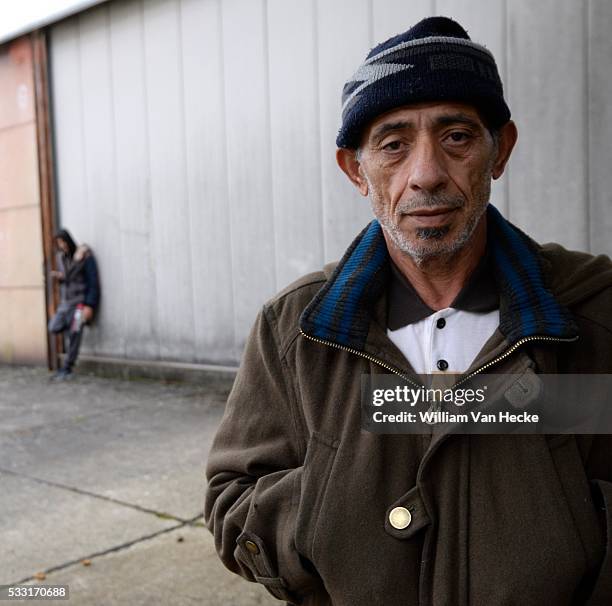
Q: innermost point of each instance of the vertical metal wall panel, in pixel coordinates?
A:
(169, 194)
(344, 40)
(108, 333)
(67, 113)
(548, 193)
(600, 126)
(248, 149)
(295, 143)
(136, 266)
(391, 17)
(207, 183)
(485, 23)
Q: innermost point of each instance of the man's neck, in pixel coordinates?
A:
(439, 280)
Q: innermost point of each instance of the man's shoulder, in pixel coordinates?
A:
(301, 291)
(286, 307)
(581, 281)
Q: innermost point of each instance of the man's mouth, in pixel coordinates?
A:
(430, 212)
(431, 217)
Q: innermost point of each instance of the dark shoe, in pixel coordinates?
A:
(62, 375)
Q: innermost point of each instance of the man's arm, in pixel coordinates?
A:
(255, 470)
(599, 472)
(59, 274)
(92, 286)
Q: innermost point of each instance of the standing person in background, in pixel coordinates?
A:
(80, 294)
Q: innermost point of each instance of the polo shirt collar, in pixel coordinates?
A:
(405, 306)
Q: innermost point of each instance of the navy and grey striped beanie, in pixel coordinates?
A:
(433, 61)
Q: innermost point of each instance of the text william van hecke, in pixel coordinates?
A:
(443, 416)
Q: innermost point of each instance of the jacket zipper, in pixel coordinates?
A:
(499, 358)
(363, 355)
(509, 351)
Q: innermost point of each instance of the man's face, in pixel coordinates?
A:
(427, 169)
(62, 245)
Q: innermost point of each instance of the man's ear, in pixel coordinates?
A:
(508, 135)
(351, 167)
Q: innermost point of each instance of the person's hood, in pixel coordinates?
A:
(82, 252)
(65, 235)
(574, 277)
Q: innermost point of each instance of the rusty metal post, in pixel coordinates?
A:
(46, 182)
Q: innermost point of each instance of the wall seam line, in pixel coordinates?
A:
(186, 169)
(149, 190)
(108, 9)
(236, 349)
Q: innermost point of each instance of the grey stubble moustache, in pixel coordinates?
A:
(430, 201)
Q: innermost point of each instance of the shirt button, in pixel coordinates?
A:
(442, 365)
(252, 547)
(441, 323)
(400, 518)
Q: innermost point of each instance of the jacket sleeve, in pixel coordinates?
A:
(92, 284)
(59, 263)
(254, 472)
(599, 471)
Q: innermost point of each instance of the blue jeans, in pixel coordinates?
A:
(60, 323)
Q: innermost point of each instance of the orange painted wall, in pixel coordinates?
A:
(22, 295)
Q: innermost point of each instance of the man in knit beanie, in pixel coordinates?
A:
(312, 492)
(426, 110)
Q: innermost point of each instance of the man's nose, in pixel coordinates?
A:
(426, 169)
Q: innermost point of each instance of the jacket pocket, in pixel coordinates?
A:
(320, 457)
(602, 593)
(251, 552)
(578, 496)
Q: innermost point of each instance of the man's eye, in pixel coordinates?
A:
(392, 146)
(459, 136)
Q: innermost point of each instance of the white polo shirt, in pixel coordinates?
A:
(447, 340)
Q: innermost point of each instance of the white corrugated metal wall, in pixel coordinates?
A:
(195, 147)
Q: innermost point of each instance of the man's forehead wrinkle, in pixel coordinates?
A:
(459, 118)
(386, 127)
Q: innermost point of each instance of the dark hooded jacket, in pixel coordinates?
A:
(80, 282)
(299, 495)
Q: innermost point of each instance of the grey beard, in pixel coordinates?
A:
(424, 252)
(431, 233)
(428, 237)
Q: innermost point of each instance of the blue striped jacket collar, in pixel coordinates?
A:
(341, 311)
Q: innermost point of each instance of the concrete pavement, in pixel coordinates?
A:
(111, 472)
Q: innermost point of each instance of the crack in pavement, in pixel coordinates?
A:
(160, 514)
(65, 558)
(214, 401)
(116, 548)
(66, 423)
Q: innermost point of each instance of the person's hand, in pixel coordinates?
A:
(57, 274)
(88, 313)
